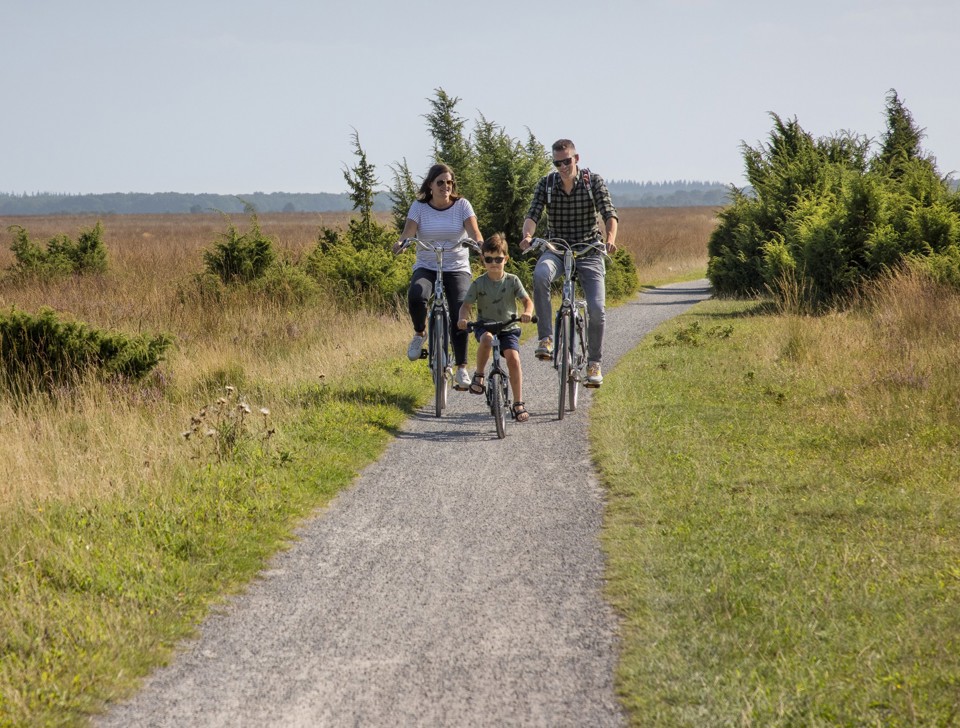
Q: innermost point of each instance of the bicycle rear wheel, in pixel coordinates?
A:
(438, 360)
(562, 349)
(497, 401)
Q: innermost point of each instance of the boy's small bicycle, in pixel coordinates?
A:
(497, 378)
(438, 322)
(570, 325)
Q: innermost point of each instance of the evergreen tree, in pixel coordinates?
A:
(901, 141)
(451, 145)
(402, 194)
(362, 182)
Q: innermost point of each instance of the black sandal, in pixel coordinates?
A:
(519, 412)
(476, 385)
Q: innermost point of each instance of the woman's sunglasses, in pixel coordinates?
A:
(493, 259)
(444, 182)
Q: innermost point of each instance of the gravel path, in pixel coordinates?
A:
(457, 583)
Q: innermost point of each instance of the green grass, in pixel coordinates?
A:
(777, 558)
(94, 596)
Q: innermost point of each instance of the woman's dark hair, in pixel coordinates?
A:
(426, 189)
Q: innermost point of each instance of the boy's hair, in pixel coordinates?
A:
(496, 243)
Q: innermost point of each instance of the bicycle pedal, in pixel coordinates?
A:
(424, 354)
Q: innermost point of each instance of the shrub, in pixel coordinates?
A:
(62, 256)
(352, 264)
(827, 219)
(622, 280)
(359, 263)
(287, 284)
(41, 352)
(240, 257)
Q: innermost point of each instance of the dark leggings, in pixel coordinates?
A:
(455, 285)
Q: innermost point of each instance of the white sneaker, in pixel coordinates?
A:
(461, 380)
(594, 377)
(415, 350)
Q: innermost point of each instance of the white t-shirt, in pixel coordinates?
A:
(442, 225)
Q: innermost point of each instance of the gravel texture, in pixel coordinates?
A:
(457, 583)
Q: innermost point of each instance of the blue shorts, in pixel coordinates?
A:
(508, 339)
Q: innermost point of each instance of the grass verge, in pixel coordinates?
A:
(95, 595)
(781, 537)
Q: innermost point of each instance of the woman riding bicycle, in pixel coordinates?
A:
(439, 214)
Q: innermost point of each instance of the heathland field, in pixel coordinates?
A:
(782, 506)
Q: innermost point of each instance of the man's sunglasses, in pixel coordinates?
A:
(558, 163)
(493, 259)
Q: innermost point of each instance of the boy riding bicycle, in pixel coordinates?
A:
(496, 293)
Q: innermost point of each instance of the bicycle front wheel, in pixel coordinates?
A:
(497, 408)
(438, 361)
(562, 349)
(578, 355)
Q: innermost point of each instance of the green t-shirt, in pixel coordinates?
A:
(496, 300)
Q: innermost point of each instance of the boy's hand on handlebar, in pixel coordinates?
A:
(525, 318)
(462, 324)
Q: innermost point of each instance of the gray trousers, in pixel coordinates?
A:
(591, 275)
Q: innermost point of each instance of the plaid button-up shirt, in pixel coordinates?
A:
(572, 217)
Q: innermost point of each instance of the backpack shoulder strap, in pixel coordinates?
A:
(588, 183)
(551, 181)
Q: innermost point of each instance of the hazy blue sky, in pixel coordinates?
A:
(234, 96)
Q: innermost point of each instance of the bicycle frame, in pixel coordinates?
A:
(438, 320)
(497, 376)
(570, 323)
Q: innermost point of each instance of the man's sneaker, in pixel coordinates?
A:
(461, 380)
(544, 349)
(594, 377)
(415, 350)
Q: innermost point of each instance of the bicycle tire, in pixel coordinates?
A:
(562, 349)
(438, 362)
(495, 383)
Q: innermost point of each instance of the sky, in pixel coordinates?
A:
(240, 96)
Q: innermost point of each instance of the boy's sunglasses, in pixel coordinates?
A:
(493, 259)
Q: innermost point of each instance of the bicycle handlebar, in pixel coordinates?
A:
(558, 246)
(495, 327)
(437, 246)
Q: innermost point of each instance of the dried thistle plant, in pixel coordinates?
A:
(222, 430)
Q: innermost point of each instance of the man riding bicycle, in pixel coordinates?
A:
(573, 198)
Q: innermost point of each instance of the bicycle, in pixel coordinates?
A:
(497, 378)
(570, 324)
(438, 337)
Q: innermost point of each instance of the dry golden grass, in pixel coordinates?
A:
(106, 439)
(667, 243)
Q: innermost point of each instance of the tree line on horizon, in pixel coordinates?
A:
(626, 193)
